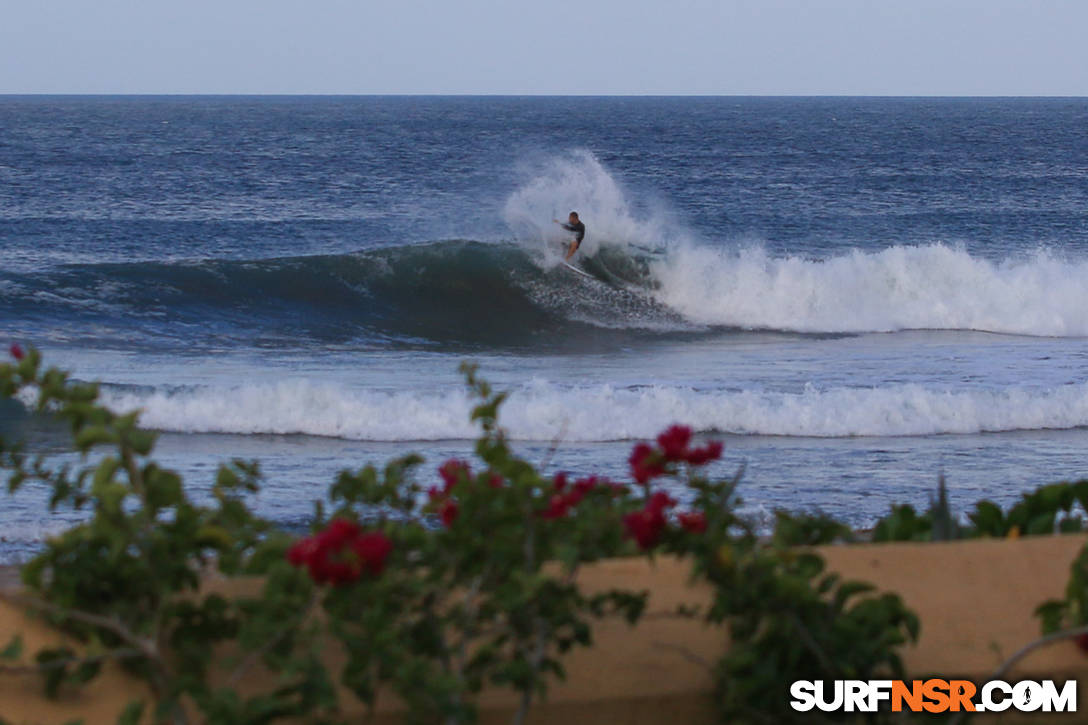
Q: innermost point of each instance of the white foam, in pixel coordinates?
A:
(903, 287)
(578, 182)
(541, 411)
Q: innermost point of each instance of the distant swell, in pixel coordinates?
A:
(543, 411)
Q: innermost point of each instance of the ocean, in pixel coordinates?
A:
(858, 295)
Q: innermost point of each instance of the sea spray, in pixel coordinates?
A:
(578, 181)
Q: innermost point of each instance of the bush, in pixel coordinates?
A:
(1049, 509)
(434, 593)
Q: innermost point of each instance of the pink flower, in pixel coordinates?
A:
(674, 442)
(693, 521)
(16, 351)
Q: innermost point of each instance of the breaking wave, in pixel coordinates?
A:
(542, 411)
(648, 275)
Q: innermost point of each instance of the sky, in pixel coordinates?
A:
(597, 47)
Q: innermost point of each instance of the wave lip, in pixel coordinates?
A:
(543, 411)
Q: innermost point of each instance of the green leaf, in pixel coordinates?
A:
(988, 519)
(93, 436)
(142, 441)
(105, 472)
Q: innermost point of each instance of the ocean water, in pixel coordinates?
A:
(857, 295)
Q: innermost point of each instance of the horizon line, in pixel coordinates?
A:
(5, 94)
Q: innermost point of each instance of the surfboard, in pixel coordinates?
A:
(574, 269)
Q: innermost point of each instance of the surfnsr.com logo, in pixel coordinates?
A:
(933, 695)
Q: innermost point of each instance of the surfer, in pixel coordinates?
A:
(573, 225)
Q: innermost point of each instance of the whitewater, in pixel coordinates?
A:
(930, 287)
(543, 411)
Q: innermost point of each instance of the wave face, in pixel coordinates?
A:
(543, 411)
(472, 293)
(443, 292)
(491, 294)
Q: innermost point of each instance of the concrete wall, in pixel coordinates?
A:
(976, 601)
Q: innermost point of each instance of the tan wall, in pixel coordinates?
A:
(976, 601)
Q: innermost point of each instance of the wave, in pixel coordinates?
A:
(543, 411)
(449, 291)
(493, 295)
(652, 276)
(931, 287)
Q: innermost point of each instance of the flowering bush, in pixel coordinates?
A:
(126, 582)
(481, 577)
(434, 592)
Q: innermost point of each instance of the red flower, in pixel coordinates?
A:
(674, 442)
(302, 551)
(560, 481)
(495, 480)
(645, 463)
(558, 507)
(660, 501)
(568, 496)
(645, 526)
(694, 521)
(584, 485)
(712, 451)
(449, 513)
(341, 553)
(452, 472)
(373, 548)
(340, 531)
(16, 351)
